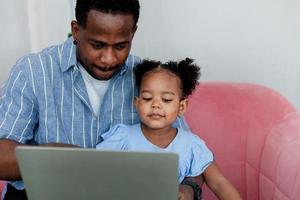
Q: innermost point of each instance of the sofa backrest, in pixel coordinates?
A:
(254, 133)
(2, 183)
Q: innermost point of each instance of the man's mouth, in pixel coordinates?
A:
(106, 69)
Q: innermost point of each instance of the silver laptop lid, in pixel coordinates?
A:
(75, 173)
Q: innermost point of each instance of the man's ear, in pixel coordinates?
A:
(75, 29)
(183, 104)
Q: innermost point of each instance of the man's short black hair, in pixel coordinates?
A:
(83, 7)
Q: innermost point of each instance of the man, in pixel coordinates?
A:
(68, 95)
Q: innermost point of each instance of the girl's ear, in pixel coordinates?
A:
(183, 104)
(136, 101)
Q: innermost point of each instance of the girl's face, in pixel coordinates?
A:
(159, 102)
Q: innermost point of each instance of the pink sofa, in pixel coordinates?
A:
(254, 133)
(255, 136)
(1, 187)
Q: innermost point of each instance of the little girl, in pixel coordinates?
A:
(163, 92)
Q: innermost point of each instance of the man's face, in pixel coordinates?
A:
(104, 44)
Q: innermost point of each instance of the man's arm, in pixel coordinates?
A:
(216, 181)
(9, 169)
(186, 191)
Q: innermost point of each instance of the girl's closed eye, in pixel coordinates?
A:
(167, 100)
(146, 98)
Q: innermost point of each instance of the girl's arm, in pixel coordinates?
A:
(216, 181)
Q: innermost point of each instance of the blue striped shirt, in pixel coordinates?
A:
(45, 101)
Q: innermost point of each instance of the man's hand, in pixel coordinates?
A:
(9, 169)
(185, 192)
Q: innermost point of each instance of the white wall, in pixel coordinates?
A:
(30, 25)
(254, 41)
(14, 34)
(49, 22)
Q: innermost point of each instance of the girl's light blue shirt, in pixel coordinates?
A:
(194, 156)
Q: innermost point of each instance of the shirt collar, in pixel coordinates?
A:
(68, 54)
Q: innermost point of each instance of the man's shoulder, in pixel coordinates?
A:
(132, 60)
(33, 59)
(36, 67)
(49, 57)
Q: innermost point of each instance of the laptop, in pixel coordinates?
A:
(52, 173)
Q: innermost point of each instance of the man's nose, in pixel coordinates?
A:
(108, 57)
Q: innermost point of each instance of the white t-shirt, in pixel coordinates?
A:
(96, 89)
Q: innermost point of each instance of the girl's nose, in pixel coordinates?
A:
(155, 104)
